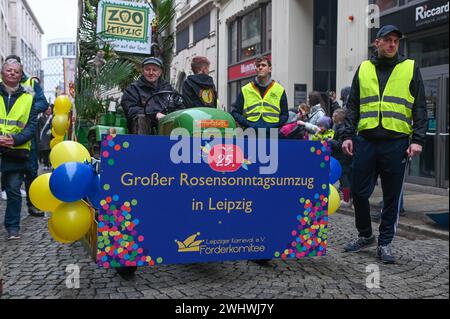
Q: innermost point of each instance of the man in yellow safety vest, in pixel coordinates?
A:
(262, 103)
(385, 127)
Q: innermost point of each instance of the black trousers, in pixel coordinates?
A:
(387, 159)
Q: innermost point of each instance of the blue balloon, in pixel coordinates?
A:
(94, 193)
(335, 170)
(71, 181)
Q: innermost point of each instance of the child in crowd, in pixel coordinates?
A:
(344, 160)
(323, 130)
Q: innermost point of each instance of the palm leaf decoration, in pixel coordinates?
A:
(94, 85)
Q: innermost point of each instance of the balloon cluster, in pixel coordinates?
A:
(60, 120)
(334, 201)
(63, 191)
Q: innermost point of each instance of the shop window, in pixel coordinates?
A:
(233, 42)
(182, 39)
(202, 28)
(429, 51)
(232, 89)
(386, 4)
(269, 27)
(251, 34)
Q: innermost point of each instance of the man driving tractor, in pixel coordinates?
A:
(143, 119)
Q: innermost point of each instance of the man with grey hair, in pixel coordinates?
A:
(40, 103)
(18, 119)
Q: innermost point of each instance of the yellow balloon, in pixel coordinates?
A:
(54, 134)
(69, 151)
(40, 194)
(334, 201)
(62, 105)
(54, 235)
(60, 124)
(71, 221)
(55, 141)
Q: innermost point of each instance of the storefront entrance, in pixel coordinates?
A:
(431, 168)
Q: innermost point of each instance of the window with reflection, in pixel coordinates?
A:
(386, 4)
(251, 34)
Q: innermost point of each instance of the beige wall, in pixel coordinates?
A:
(292, 44)
(353, 39)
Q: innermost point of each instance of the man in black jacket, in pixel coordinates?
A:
(199, 89)
(138, 93)
(385, 126)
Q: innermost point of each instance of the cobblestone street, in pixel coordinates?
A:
(35, 267)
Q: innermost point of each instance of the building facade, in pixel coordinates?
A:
(24, 36)
(5, 30)
(59, 67)
(196, 35)
(319, 45)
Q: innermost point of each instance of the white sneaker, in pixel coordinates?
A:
(346, 204)
(23, 193)
(4, 197)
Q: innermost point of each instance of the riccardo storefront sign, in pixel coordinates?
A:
(426, 14)
(422, 16)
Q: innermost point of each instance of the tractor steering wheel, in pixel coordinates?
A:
(174, 102)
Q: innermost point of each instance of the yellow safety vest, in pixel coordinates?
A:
(396, 104)
(267, 107)
(17, 118)
(328, 134)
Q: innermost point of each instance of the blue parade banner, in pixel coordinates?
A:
(163, 203)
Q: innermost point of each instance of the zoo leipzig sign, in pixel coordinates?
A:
(125, 25)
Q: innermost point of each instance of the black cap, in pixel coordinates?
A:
(152, 60)
(385, 30)
(13, 57)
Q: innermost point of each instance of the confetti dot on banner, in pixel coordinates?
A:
(313, 149)
(103, 202)
(117, 147)
(141, 238)
(134, 202)
(324, 186)
(277, 254)
(105, 154)
(327, 158)
(106, 187)
(115, 198)
(159, 260)
(111, 162)
(302, 200)
(294, 233)
(126, 145)
(322, 165)
(319, 152)
(105, 143)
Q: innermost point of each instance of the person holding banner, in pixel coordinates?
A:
(139, 92)
(385, 127)
(19, 120)
(261, 103)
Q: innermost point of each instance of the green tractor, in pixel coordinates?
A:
(192, 119)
